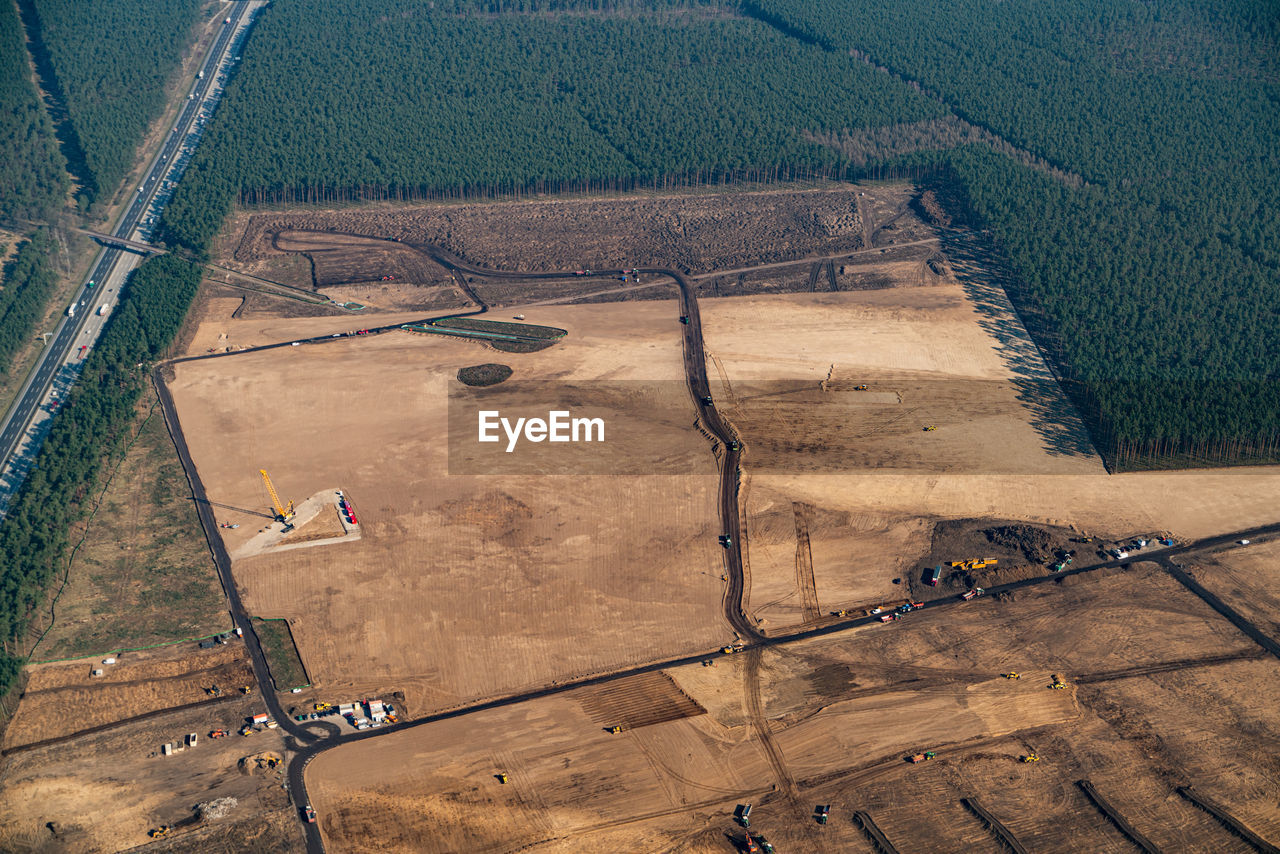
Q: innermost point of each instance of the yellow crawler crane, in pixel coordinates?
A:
(283, 514)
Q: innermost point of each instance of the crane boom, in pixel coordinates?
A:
(284, 514)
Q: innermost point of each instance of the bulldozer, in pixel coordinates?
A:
(246, 689)
(213, 691)
(159, 832)
(502, 778)
(615, 729)
(1057, 683)
(929, 428)
(1030, 757)
(1012, 674)
(862, 387)
(323, 707)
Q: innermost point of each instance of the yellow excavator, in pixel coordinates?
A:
(1030, 757)
(283, 514)
(1057, 683)
(159, 832)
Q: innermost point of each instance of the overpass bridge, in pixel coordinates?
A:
(124, 243)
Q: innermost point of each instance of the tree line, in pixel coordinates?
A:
(1156, 284)
(112, 62)
(88, 435)
(29, 281)
(33, 177)
(477, 104)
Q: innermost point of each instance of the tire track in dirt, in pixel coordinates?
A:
(804, 565)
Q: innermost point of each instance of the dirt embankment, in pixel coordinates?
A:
(66, 698)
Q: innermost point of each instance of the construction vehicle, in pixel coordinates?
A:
(743, 815)
(821, 812)
(933, 576)
(615, 729)
(309, 814)
(218, 733)
(860, 388)
(246, 689)
(323, 707)
(889, 618)
(1057, 683)
(502, 778)
(930, 428)
(684, 318)
(159, 832)
(726, 540)
(706, 400)
(1030, 757)
(730, 650)
(975, 592)
(247, 729)
(1012, 674)
(213, 691)
(765, 845)
(283, 514)
(921, 757)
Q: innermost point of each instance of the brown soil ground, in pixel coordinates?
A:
(841, 714)
(61, 699)
(461, 586)
(1246, 579)
(103, 792)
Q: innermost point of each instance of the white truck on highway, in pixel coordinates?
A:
(71, 311)
(103, 309)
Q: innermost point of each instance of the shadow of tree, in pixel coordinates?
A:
(985, 279)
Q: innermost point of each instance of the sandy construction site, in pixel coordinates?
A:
(895, 417)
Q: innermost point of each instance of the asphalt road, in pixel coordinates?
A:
(69, 334)
(308, 741)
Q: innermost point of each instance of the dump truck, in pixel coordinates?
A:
(933, 576)
(309, 814)
(921, 757)
(972, 594)
(821, 813)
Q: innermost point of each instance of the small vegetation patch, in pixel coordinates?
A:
(499, 327)
(484, 375)
(282, 655)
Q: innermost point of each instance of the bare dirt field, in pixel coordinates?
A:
(61, 699)
(105, 791)
(461, 585)
(832, 720)
(465, 585)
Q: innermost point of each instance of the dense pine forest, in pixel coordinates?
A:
(33, 179)
(478, 104)
(1157, 283)
(110, 62)
(29, 281)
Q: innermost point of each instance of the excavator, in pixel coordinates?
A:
(1057, 683)
(218, 733)
(1012, 674)
(1030, 757)
(246, 689)
(159, 832)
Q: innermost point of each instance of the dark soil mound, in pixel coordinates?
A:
(484, 375)
(1035, 544)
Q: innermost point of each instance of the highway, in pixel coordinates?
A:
(309, 740)
(25, 424)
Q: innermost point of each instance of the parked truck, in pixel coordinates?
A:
(933, 576)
